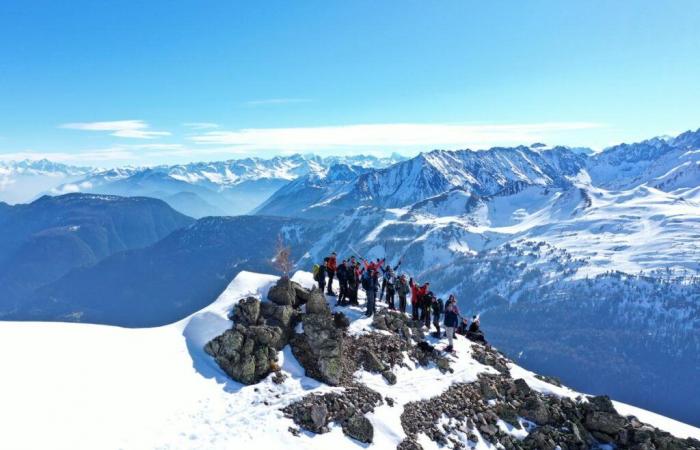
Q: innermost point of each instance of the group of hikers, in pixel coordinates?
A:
(379, 278)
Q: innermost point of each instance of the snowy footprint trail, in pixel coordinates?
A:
(79, 386)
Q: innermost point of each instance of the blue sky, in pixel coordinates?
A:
(108, 83)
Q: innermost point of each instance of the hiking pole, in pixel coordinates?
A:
(355, 251)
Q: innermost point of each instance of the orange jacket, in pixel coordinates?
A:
(332, 264)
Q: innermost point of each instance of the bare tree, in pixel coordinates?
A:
(282, 260)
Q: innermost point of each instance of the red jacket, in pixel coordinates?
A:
(417, 292)
(373, 265)
(332, 264)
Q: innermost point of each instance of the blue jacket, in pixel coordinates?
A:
(452, 316)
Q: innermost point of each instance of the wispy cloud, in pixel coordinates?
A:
(137, 129)
(201, 125)
(390, 135)
(276, 101)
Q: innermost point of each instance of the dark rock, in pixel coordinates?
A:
(409, 444)
(509, 415)
(535, 410)
(316, 303)
(246, 311)
(605, 422)
(389, 376)
(341, 321)
(319, 415)
(371, 362)
(320, 348)
(283, 292)
(302, 295)
(359, 428)
(521, 386)
(315, 411)
(601, 403)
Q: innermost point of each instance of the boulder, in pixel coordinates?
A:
(316, 303)
(283, 292)
(604, 422)
(359, 428)
(246, 354)
(302, 294)
(246, 311)
(340, 320)
(279, 315)
(371, 362)
(535, 410)
(389, 376)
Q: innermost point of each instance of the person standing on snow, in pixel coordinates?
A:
(402, 289)
(437, 307)
(415, 298)
(385, 281)
(424, 303)
(343, 273)
(451, 320)
(371, 288)
(390, 283)
(321, 275)
(332, 266)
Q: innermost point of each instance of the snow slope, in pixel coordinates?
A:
(75, 386)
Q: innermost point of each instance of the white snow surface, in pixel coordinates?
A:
(78, 386)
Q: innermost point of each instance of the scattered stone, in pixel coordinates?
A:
(315, 411)
(359, 428)
(279, 377)
(389, 376)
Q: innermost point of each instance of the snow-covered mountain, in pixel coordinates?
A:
(22, 181)
(609, 236)
(112, 387)
(482, 172)
(230, 187)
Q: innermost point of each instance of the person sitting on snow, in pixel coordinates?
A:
(474, 333)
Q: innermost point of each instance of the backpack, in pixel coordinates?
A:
(314, 270)
(365, 281)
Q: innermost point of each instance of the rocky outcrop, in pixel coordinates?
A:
(320, 347)
(248, 351)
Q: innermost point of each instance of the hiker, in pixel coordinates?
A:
(371, 286)
(390, 283)
(373, 265)
(402, 290)
(474, 333)
(416, 295)
(385, 281)
(424, 301)
(463, 327)
(437, 307)
(343, 274)
(332, 266)
(353, 283)
(451, 320)
(320, 275)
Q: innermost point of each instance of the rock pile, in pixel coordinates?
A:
(314, 412)
(554, 422)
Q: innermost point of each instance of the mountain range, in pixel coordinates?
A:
(579, 262)
(231, 187)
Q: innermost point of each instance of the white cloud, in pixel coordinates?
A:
(201, 125)
(391, 135)
(121, 128)
(277, 101)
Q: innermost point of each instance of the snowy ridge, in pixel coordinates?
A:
(163, 391)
